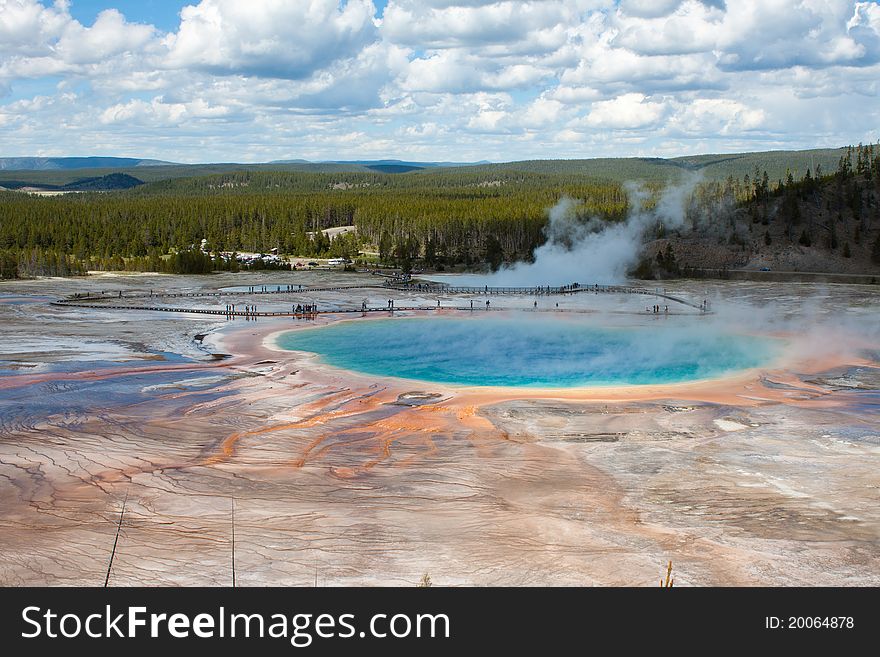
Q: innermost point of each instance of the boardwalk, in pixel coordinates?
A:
(546, 291)
(149, 302)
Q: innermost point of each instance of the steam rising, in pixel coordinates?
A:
(595, 250)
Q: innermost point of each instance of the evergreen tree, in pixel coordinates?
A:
(493, 252)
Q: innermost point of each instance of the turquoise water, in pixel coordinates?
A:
(543, 352)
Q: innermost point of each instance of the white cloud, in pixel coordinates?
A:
(153, 113)
(543, 111)
(575, 95)
(429, 25)
(445, 79)
(691, 27)
(459, 71)
(756, 34)
(648, 8)
(109, 36)
(720, 116)
(626, 112)
(28, 28)
(270, 38)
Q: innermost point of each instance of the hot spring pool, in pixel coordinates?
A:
(543, 352)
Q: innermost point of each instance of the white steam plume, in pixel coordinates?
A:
(595, 251)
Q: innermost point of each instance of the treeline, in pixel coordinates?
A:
(450, 224)
(836, 211)
(34, 262)
(463, 216)
(28, 263)
(834, 216)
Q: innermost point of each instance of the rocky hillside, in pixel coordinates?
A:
(830, 225)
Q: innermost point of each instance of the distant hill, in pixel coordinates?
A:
(711, 167)
(382, 166)
(160, 172)
(110, 182)
(394, 168)
(66, 163)
(405, 163)
(45, 172)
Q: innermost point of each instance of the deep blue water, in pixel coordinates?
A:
(525, 352)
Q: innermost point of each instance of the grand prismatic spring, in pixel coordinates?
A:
(551, 352)
(562, 439)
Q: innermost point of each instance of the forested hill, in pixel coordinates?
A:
(60, 177)
(719, 167)
(452, 217)
(110, 182)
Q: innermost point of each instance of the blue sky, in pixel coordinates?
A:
(164, 14)
(213, 80)
(161, 13)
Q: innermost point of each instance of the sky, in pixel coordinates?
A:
(434, 80)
